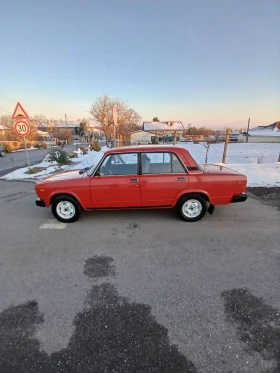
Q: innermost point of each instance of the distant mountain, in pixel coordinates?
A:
(270, 130)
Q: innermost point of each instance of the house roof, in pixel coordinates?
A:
(163, 126)
(270, 130)
(62, 124)
(67, 125)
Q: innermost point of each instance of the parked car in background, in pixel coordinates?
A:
(233, 138)
(142, 177)
(2, 151)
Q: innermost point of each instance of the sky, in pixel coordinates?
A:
(207, 62)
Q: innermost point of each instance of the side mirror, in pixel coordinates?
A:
(84, 170)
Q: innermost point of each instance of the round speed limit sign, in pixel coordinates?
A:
(21, 128)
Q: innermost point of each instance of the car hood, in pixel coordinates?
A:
(65, 175)
(216, 169)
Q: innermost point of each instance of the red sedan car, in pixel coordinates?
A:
(142, 177)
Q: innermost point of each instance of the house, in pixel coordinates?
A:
(141, 138)
(42, 135)
(77, 132)
(165, 131)
(263, 134)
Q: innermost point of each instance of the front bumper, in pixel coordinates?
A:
(239, 198)
(40, 203)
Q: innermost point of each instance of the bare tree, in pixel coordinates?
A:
(207, 145)
(36, 122)
(218, 136)
(7, 122)
(102, 112)
(130, 122)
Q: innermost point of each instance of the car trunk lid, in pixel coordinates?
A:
(216, 169)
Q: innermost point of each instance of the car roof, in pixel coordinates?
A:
(145, 148)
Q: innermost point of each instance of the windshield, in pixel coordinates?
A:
(93, 168)
(201, 167)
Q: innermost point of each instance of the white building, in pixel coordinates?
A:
(141, 138)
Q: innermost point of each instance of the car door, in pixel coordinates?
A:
(163, 177)
(116, 182)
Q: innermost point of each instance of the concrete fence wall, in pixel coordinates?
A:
(260, 139)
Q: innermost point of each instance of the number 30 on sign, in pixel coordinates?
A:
(22, 128)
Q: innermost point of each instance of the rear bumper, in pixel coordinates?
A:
(239, 198)
(40, 203)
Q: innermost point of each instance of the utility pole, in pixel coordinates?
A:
(248, 127)
(226, 145)
(66, 127)
(115, 122)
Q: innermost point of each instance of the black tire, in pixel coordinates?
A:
(198, 202)
(2, 153)
(72, 204)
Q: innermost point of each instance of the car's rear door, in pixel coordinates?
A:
(117, 182)
(163, 177)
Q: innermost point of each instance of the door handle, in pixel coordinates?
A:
(180, 179)
(133, 180)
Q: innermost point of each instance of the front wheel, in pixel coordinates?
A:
(2, 153)
(192, 207)
(66, 209)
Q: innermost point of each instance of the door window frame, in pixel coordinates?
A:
(97, 170)
(167, 173)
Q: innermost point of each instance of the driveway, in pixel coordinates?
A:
(138, 291)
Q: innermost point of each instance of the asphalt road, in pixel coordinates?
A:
(15, 160)
(138, 291)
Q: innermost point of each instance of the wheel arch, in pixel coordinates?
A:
(60, 194)
(200, 193)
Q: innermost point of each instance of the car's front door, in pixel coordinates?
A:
(163, 178)
(117, 182)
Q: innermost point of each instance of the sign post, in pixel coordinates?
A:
(21, 127)
(26, 153)
(115, 119)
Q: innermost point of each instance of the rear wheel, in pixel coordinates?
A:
(192, 207)
(2, 153)
(66, 209)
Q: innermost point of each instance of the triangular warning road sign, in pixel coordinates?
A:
(19, 112)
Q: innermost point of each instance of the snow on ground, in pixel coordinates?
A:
(88, 160)
(20, 173)
(83, 160)
(237, 152)
(259, 175)
(243, 158)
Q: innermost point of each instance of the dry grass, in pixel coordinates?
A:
(35, 170)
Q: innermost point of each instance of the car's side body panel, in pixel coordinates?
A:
(115, 191)
(161, 190)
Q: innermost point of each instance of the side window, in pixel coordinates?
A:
(161, 163)
(177, 167)
(119, 164)
(156, 163)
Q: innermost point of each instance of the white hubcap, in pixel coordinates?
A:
(65, 209)
(192, 208)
